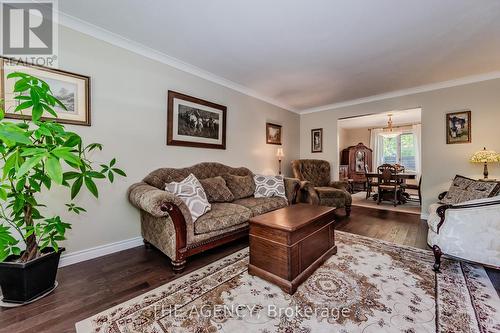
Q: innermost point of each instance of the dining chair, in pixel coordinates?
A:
(387, 183)
(370, 183)
(416, 187)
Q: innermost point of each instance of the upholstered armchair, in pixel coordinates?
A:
(317, 188)
(469, 230)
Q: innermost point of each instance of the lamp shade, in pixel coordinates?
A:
(485, 156)
(279, 152)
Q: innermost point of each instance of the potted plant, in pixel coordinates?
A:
(37, 154)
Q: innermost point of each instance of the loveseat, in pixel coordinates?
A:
(166, 222)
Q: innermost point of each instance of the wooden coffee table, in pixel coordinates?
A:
(289, 244)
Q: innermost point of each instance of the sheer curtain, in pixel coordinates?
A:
(377, 145)
(417, 132)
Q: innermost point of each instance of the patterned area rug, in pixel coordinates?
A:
(368, 286)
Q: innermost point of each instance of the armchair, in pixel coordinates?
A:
(468, 230)
(317, 187)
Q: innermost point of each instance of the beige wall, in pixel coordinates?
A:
(353, 136)
(129, 117)
(440, 161)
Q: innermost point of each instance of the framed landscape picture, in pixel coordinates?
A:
(193, 122)
(273, 134)
(458, 127)
(317, 140)
(73, 90)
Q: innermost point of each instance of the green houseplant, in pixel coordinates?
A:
(37, 154)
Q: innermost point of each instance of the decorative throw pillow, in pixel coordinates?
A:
(240, 186)
(269, 186)
(465, 189)
(191, 192)
(458, 190)
(481, 189)
(216, 189)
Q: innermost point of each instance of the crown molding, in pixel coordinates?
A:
(148, 52)
(404, 92)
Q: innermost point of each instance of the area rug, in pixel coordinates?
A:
(359, 199)
(368, 286)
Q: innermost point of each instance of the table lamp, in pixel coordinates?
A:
(485, 156)
(280, 155)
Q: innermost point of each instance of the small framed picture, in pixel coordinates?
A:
(273, 134)
(73, 90)
(458, 127)
(317, 140)
(343, 172)
(194, 122)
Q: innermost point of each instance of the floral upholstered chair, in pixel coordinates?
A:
(316, 186)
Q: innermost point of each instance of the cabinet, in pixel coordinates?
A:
(354, 158)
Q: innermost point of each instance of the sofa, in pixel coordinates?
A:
(468, 230)
(166, 222)
(317, 188)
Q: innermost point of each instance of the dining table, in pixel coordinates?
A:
(399, 175)
(402, 176)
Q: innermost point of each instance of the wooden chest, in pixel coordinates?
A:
(287, 245)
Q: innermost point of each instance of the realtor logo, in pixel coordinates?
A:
(29, 30)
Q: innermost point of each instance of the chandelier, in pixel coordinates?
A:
(389, 132)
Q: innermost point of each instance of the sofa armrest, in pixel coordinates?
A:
(442, 195)
(292, 187)
(157, 202)
(341, 185)
(308, 193)
(471, 205)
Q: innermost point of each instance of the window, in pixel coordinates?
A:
(400, 150)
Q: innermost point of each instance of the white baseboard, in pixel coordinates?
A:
(99, 251)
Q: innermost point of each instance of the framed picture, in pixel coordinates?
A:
(458, 127)
(343, 172)
(193, 122)
(317, 140)
(273, 134)
(73, 90)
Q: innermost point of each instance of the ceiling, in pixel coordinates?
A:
(399, 117)
(308, 53)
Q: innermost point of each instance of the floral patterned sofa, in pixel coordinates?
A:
(166, 222)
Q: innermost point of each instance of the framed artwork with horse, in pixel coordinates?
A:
(194, 122)
(458, 127)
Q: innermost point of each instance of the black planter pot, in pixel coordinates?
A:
(24, 282)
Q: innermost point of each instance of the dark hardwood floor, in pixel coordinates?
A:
(93, 286)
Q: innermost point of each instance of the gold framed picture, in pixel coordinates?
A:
(73, 90)
(273, 134)
(458, 127)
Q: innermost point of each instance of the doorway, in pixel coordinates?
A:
(388, 142)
